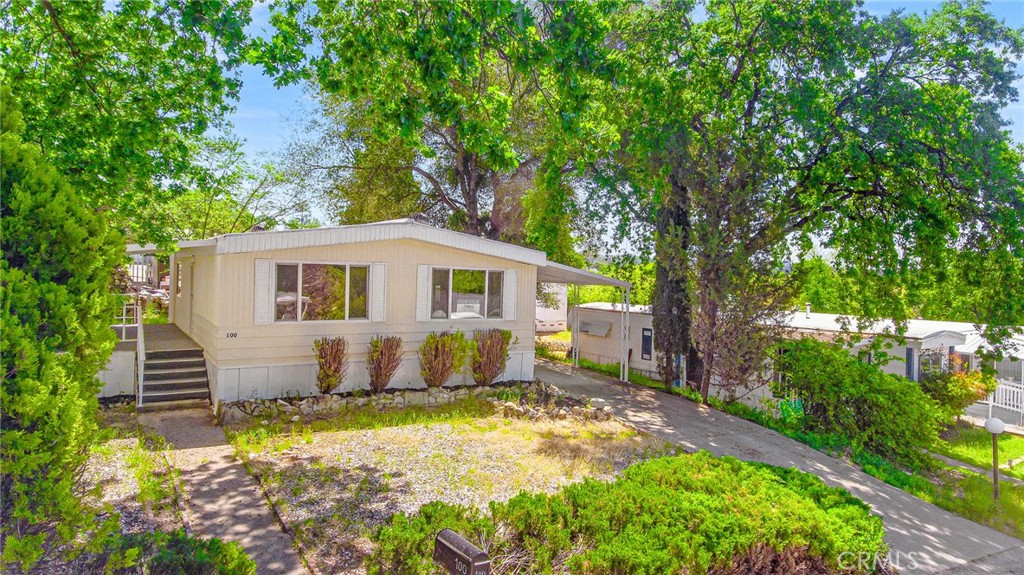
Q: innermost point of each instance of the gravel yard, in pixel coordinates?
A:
(333, 488)
(128, 472)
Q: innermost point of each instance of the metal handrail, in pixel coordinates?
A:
(140, 360)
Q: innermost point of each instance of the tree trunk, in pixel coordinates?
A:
(705, 378)
(671, 302)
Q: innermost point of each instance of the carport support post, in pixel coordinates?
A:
(624, 349)
(576, 330)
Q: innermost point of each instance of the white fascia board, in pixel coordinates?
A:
(376, 232)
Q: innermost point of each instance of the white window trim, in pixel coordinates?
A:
(451, 293)
(298, 318)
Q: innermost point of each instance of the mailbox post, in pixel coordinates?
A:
(460, 557)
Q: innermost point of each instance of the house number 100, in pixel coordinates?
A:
(232, 334)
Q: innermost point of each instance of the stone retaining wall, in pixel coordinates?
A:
(559, 405)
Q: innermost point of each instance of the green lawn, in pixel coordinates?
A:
(973, 445)
(565, 335)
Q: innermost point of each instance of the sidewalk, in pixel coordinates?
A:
(940, 541)
(222, 499)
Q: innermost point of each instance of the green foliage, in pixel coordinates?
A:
(332, 357)
(176, 553)
(58, 263)
(822, 287)
(405, 546)
(956, 390)
(442, 355)
(641, 275)
(383, 361)
(120, 96)
(733, 512)
(970, 495)
(489, 354)
(877, 412)
(229, 195)
(777, 121)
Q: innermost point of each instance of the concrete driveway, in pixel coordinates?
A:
(922, 537)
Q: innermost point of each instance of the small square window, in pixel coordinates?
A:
(286, 302)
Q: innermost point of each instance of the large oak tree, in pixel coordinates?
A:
(881, 137)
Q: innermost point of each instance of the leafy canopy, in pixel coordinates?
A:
(115, 95)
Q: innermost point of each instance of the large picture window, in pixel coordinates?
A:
(328, 292)
(466, 294)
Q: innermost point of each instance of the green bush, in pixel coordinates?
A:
(405, 546)
(58, 263)
(176, 553)
(693, 514)
(878, 412)
(956, 390)
(442, 355)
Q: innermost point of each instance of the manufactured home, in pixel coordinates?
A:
(246, 308)
(927, 344)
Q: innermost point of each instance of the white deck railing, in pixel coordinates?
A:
(1008, 395)
(130, 316)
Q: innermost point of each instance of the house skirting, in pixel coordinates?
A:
(118, 376)
(299, 380)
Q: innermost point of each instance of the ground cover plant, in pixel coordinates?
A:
(334, 486)
(176, 553)
(739, 517)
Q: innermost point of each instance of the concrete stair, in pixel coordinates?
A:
(174, 376)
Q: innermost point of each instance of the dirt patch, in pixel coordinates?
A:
(333, 488)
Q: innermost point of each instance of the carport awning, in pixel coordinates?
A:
(555, 273)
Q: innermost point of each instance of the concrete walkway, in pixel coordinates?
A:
(940, 542)
(222, 499)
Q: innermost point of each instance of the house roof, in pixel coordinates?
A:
(616, 307)
(965, 337)
(402, 229)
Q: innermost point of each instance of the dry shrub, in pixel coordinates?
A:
(441, 356)
(762, 559)
(384, 359)
(490, 352)
(332, 355)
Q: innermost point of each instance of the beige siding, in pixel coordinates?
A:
(608, 350)
(196, 309)
(225, 303)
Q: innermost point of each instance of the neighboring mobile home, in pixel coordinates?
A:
(927, 344)
(249, 306)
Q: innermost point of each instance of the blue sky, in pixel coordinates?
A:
(266, 116)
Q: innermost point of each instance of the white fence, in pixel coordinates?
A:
(1009, 395)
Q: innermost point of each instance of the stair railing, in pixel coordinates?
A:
(140, 362)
